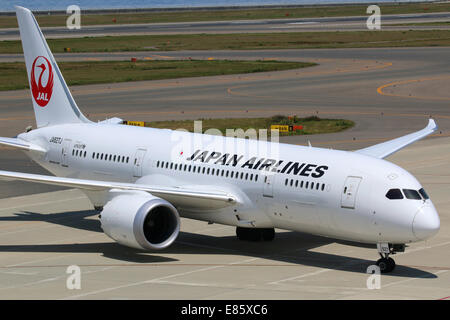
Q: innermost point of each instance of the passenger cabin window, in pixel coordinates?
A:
(394, 194)
(412, 194)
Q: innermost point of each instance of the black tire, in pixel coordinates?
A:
(241, 233)
(386, 265)
(249, 234)
(268, 234)
(391, 263)
(255, 234)
(382, 264)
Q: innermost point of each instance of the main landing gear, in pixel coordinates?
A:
(387, 264)
(255, 234)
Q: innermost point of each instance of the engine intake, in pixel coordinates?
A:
(140, 220)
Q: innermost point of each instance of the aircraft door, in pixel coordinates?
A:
(65, 152)
(268, 185)
(54, 154)
(350, 191)
(138, 160)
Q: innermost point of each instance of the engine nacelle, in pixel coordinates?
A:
(140, 220)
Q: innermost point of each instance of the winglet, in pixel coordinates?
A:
(387, 148)
(432, 125)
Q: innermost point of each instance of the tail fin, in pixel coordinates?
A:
(52, 101)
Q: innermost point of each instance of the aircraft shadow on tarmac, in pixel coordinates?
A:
(288, 247)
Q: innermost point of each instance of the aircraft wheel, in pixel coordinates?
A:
(391, 264)
(242, 233)
(248, 234)
(268, 234)
(386, 265)
(255, 234)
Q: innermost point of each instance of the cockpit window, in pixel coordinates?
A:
(411, 194)
(394, 194)
(424, 194)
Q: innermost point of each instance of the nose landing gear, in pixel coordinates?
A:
(387, 264)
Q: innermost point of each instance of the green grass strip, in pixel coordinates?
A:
(13, 75)
(246, 41)
(311, 125)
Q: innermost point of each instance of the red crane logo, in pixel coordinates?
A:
(41, 93)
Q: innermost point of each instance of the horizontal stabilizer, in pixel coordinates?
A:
(114, 120)
(21, 144)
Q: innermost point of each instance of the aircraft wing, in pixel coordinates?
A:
(20, 144)
(382, 150)
(185, 196)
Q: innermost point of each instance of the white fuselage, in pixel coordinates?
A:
(320, 191)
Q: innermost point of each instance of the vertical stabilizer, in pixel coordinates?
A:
(52, 101)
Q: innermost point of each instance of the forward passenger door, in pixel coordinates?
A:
(350, 191)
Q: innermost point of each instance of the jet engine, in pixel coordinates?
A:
(140, 220)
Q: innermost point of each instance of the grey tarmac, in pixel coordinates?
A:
(387, 92)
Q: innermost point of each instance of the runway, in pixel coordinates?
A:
(357, 23)
(387, 92)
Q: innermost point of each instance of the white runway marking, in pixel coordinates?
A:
(41, 203)
(156, 280)
(301, 276)
(20, 273)
(306, 22)
(190, 284)
(64, 276)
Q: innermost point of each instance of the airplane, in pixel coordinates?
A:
(144, 179)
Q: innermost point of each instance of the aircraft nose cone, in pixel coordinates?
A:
(426, 223)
